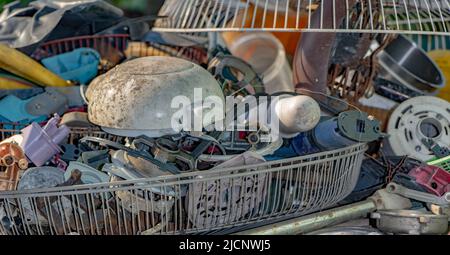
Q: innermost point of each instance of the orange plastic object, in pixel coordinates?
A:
(288, 39)
(12, 160)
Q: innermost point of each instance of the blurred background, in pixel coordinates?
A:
(132, 8)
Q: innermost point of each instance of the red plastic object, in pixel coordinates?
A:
(432, 178)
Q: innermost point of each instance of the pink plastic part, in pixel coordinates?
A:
(432, 178)
(41, 144)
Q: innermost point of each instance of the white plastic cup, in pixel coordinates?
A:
(265, 53)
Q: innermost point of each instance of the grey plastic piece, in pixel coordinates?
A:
(389, 201)
(76, 119)
(417, 195)
(89, 174)
(359, 127)
(70, 152)
(72, 93)
(47, 103)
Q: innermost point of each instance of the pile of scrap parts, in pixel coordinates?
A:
(120, 129)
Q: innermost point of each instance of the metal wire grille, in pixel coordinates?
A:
(115, 47)
(196, 202)
(381, 16)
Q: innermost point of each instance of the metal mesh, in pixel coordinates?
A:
(196, 202)
(121, 43)
(383, 16)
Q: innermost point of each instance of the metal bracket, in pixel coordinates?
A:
(417, 195)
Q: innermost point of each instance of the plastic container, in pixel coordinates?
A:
(265, 53)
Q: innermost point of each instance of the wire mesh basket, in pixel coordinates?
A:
(117, 46)
(383, 16)
(188, 203)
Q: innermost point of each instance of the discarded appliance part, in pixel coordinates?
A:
(443, 163)
(133, 152)
(36, 178)
(124, 168)
(417, 119)
(394, 91)
(21, 93)
(167, 151)
(13, 109)
(297, 114)
(50, 213)
(76, 119)
(22, 65)
(47, 103)
(347, 231)
(315, 221)
(183, 155)
(371, 178)
(410, 222)
(72, 94)
(328, 104)
(267, 149)
(89, 174)
(302, 144)
(385, 200)
(434, 179)
(438, 151)
(440, 210)
(265, 53)
(40, 144)
(70, 152)
(10, 83)
(80, 65)
(133, 167)
(144, 200)
(418, 195)
(228, 70)
(315, 51)
(135, 97)
(235, 197)
(12, 160)
(95, 159)
(403, 62)
(346, 129)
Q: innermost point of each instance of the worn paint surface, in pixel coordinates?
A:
(137, 95)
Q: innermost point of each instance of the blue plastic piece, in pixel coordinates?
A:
(298, 146)
(80, 65)
(21, 93)
(12, 109)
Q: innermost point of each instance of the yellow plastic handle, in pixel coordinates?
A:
(20, 64)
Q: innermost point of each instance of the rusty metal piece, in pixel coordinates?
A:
(321, 58)
(313, 53)
(12, 160)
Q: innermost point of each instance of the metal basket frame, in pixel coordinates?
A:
(119, 42)
(394, 16)
(188, 203)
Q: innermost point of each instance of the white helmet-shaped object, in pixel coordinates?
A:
(135, 97)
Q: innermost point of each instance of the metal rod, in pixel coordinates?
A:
(315, 221)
